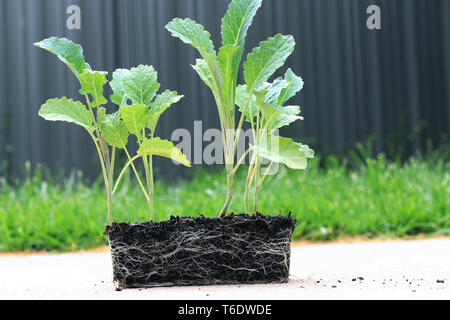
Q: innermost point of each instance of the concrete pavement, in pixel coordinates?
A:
(416, 269)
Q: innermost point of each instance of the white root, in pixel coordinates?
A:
(243, 250)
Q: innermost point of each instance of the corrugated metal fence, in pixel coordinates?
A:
(392, 83)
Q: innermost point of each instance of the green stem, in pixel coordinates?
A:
(104, 160)
(109, 193)
(105, 175)
(229, 156)
(247, 187)
(255, 195)
(151, 189)
(249, 181)
(223, 132)
(227, 203)
(264, 175)
(241, 122)
(147, 179)
(239, 162)
(122, 172)
(111, 168)
(150, 182)
(111, 181)
(137, 175)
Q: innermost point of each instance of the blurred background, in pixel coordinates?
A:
(389, 84)
(376, 104)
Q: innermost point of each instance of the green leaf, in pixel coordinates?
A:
(116, 85)
(266, 98)
(214, 69)
(140, 84)
(164, 100)
(67, 110)
(274, 90)
(273, 114)
(242, 96)
(264, 60)
(237, 20)
(211, 75)
(295, 85)
(101, 113)
(284, 150)
(269, 110)
(160, 104)
(135, 118)
(234, 28)
(114, 130)
(163, 148)
(284, 119)
(201, 67)
(67, 51)
(291, 110)
(192, 33)
(226, 58)
(92, 82)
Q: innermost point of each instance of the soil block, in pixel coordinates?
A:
(235, 249)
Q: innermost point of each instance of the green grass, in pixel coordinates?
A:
(379, 199)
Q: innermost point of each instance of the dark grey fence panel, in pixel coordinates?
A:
(392, 83)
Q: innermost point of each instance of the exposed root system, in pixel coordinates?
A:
(201, 251)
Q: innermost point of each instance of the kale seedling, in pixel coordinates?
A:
(111, 131)
(219, 71)
(266, 113)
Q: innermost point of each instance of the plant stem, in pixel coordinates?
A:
(227, 203)
(111, 168)
(149, 173)
(265, 174)
(223, 132)
(249, 180)
(136, 174)
(147, 179)
(109, 193)
(122, 172)
(151, 189)
(110, 184)
(104, 159)
(240, 161)
(248, 183)
(230, 147)
(255, 196)
(241, 122)
(105, 175)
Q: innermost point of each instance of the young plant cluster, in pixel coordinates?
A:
(261, 103)
(139, 108)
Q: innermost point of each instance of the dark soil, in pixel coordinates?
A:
(201, 251)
